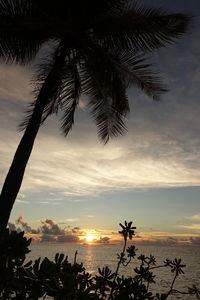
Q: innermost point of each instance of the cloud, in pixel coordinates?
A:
(166, 238)
(192, 224)
(75, 230)
(68, 238)
(195, 217)
(22, 201)
(15, 83)
(48, 238)
(70, 220)
(49, 231)
(80, 171)
(103, 240)
(25, 226)
(49, 227)
(53, 232)
(195, 241)
(193, 227)
(12, 227)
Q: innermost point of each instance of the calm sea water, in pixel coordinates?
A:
(94, 256)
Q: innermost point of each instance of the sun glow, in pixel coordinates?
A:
(90, 238)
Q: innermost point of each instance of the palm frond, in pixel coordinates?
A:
(71, 90)
(49, 90)
(18, 49)
(110, 38)
(109, 122)
(17, 43)
(51, 106)
(143, 29)
(63, 93)
(15, 8)
(110, 80)
(106, 113)
(77, 12)
(141, 74)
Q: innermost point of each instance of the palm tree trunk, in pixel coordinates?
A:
(15, 174)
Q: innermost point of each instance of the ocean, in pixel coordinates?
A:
(95, 256)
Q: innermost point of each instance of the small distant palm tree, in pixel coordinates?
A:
(98, 49)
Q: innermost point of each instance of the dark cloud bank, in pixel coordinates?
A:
(49, 231)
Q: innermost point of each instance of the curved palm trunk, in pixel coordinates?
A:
(15, 174)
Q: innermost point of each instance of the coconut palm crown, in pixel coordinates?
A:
(98, 49)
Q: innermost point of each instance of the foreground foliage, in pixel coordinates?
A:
(59, 279)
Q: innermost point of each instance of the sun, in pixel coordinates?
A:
(90, 238)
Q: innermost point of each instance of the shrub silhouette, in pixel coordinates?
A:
(59, 279)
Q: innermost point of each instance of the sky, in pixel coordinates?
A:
(76, 186)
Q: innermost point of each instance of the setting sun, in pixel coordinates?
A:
(90, 238)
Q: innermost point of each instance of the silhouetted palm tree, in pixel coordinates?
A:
(98, 50)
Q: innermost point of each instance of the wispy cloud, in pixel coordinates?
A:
(69, 220)
(22, 201)
(84, 171)
(195, 217)
(15, 83)
(88, 169)
(192, 227)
